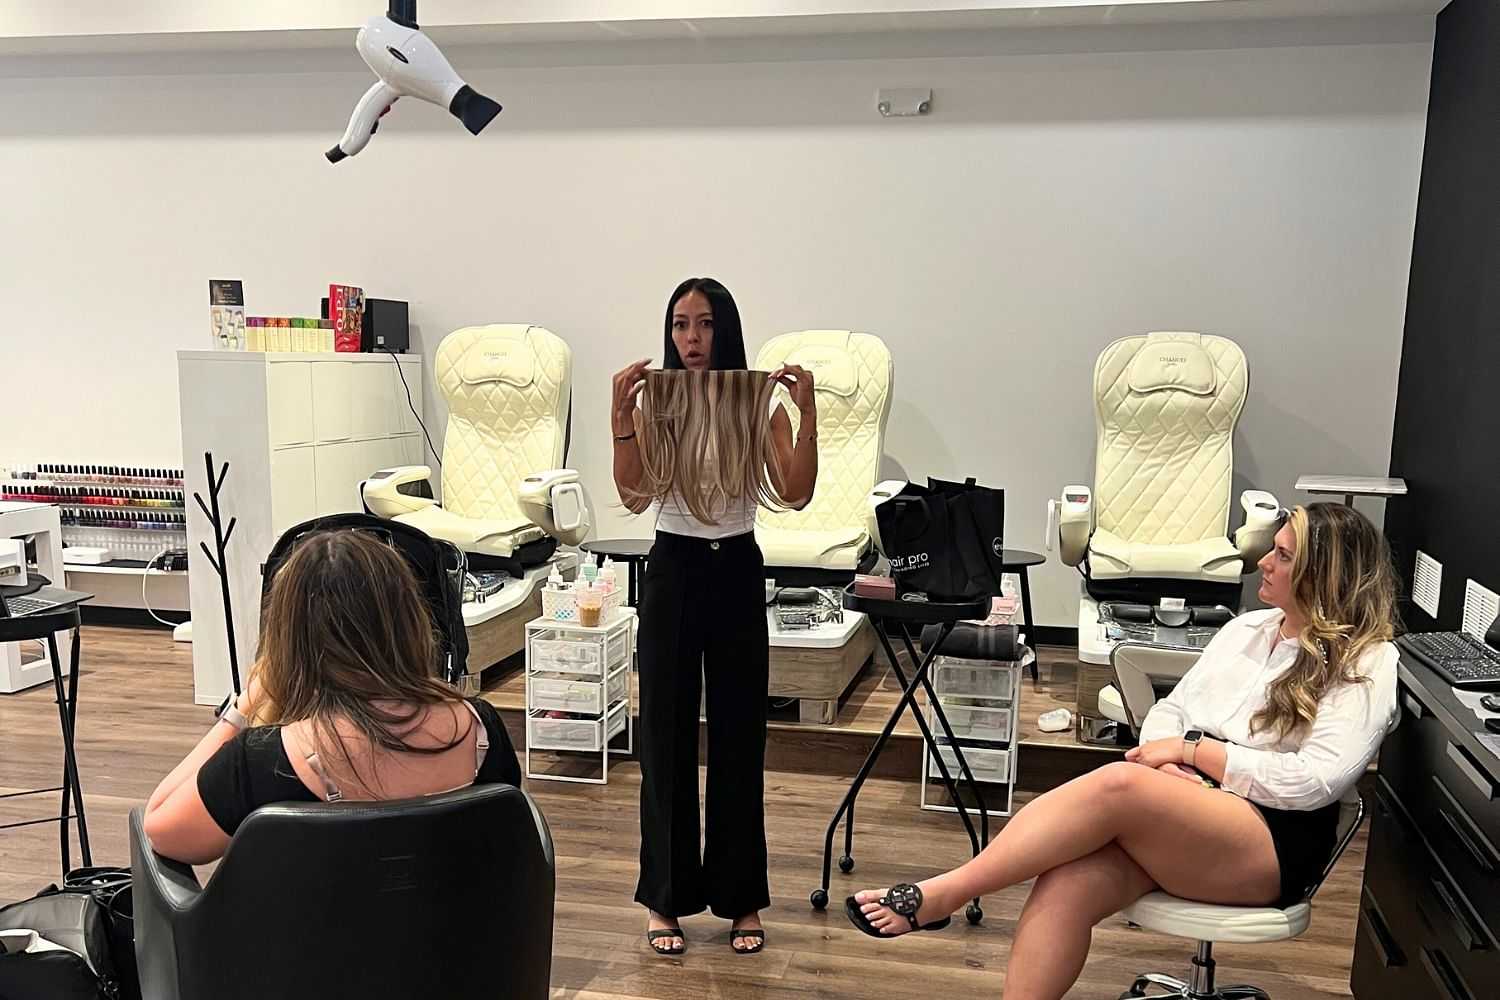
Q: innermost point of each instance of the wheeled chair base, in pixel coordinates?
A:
(1199, 987)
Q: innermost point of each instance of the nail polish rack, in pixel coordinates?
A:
(134, 512)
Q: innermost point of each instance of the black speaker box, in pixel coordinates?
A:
(386, 327)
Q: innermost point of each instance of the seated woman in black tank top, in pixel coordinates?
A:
(346, 704)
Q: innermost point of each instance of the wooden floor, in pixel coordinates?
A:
(136, 720)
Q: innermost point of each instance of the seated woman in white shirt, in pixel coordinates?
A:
(1283, 712)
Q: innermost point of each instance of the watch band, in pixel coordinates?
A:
(1190, 741)
(233, 716)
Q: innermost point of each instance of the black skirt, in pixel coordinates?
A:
(1304, 841)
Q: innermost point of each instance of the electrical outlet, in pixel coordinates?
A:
(1427, 583)
(1480, 607)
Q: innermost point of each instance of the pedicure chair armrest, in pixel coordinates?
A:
(384, 495)
(1074, 517)
(555, 500)
(1257, 535)
(879, 494)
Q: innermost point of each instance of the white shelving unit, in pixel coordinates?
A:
(981, 699)
(24, 665)
(134, 512)
(299, 432)
(578, 692)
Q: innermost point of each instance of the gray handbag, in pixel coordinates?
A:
(80, 968)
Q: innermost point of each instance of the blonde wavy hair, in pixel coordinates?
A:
(705, 439)
(1344, 587)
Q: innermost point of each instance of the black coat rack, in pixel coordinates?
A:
(220, 565)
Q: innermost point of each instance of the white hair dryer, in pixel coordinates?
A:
(408, 65)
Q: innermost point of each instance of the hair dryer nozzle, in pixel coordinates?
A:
(335, 154)
(473, 109)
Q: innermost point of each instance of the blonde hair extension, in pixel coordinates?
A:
(1344, 586)
(705, 440)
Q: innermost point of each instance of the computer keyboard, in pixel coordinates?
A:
(19, 606)
(1461, 659)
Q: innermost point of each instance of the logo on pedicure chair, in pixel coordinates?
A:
(997, 546)
(1172, 359)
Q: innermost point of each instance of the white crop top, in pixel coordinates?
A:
(735, 518)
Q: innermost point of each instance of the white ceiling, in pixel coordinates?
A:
(104, 26)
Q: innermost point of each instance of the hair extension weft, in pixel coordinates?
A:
(705, 440)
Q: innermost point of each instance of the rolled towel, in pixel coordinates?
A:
(976, 642)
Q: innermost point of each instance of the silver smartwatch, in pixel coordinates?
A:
(1190, 740)
(233, 716)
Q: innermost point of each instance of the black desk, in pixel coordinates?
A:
(1429, 913)
(1018, 561)
(631, 551)
(44, 626)
(902, 615)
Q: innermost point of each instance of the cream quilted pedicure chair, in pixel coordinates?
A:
(829, 540)
(1156, 523)
(506, 503)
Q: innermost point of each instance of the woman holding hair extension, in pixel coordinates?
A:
(703, 454)
(345, 672)
(1232, 796)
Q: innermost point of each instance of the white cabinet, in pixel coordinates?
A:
(299, 432)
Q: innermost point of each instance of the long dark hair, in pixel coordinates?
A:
(728, 347)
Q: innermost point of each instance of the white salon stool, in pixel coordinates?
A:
(1207, 923)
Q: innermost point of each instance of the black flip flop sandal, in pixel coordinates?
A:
(666, 932)
(904, 900)
(757, 935)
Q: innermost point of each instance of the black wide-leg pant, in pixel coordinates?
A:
(703, 621)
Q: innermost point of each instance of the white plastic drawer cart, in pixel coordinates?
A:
(578, 692)
(981, 699)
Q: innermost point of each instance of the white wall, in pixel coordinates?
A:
(1051, 203)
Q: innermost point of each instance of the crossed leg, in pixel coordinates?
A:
(1095, 845)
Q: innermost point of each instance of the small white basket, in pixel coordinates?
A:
(562, 605)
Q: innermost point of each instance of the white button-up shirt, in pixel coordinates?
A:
(1227, 686)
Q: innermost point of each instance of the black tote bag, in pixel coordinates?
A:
(976, 515)
(944, 539)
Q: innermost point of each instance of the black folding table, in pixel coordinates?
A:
(43, 626)
(903, 614)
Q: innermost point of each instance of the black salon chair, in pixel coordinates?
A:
(448, 896)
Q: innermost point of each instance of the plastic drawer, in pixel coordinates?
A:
(973, 722)
(985, 765)
(973, 680)
(567, 656)
(566, 694)
(618, 649)
(543, 733)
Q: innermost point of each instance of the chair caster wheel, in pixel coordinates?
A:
(846, 864)
(974, 913)
(819, 899)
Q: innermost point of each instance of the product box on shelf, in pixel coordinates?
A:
(346, 310)
(226, 314)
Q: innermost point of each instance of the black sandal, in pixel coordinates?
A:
(666, 932)
(755, 934)
(903, 900)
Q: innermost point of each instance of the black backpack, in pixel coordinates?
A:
(440, 568)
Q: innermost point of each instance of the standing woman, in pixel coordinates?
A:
(703, 621)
